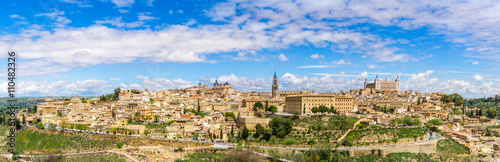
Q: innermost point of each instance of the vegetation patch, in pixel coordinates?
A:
(106, 158)
(382, 135)
(450, 146)
(30, 140)
(337, 122)
(400, 156)
(233, 155)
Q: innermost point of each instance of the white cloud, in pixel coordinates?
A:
(316, 56)
(282, 57)
(341, 62)
(470, 23)
(58, 51)
(123, 3)
(16, 16)
(477, 77)
(115, 79)
(473, 62)
(250, 55)
(80, 3)
(372, 66)
(141, 77)
(403, 41)
(314, 66)
(149, 2)
(58, 18)
(144, 16)
(123, 11)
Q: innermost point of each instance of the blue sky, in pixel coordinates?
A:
(70, 47)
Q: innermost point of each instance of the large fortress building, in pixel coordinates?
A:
(377, 84)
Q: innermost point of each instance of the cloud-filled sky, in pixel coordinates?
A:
(70, 47)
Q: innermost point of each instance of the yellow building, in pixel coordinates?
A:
(49, 106)
(343, 104)
(248, 103)
(302, 104)
(251, 121)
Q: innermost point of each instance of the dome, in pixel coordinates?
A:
(226, 83)
(216, 82)
(49, 100)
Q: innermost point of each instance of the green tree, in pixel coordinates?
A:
(239, 146)
(491, 113)
(196, 135)
(63, 124)
(394, 121)
(230, 114)
(314, 110)
(221, 134)
(431, 124)
(244, 133)
(416, 121)
(146, 132)
(407, 120)
(199, 105)
(170, 122)
(281, 127)
(116, 94)
(272, 108)
(258, 130)
(40, 125)
(333, 110)
(322, 109)
(151, 100)
(157, 118)
(24, 120)
(257, 106)
(137, 114)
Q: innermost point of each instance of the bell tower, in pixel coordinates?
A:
(275, 87)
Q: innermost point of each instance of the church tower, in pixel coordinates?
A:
(275, 87)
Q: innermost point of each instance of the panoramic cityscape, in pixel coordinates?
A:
(238, 80)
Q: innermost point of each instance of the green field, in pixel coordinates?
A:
(338, 122)
(4, 130)
(401, 156)
(105, 158)
(450, 146)
(356, 136)
(30, 141)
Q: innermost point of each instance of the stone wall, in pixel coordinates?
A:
(382, 152)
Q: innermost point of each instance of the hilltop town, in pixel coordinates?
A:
(219, 114)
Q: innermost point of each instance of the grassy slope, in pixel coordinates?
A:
(449, 146)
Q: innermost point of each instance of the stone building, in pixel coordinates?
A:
(383, 85)
(251, 121)
(302, 104)
(343, 104)
(248, 103)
